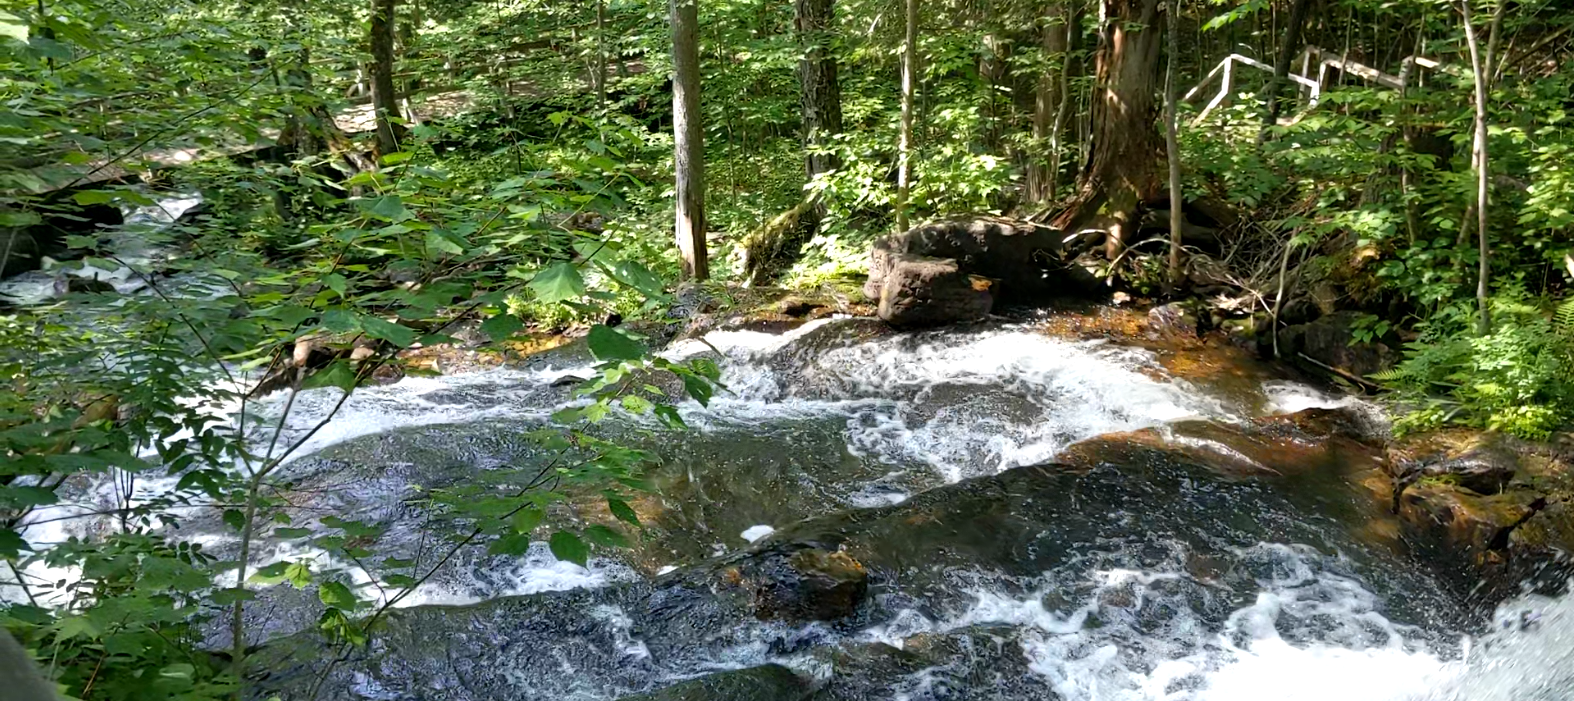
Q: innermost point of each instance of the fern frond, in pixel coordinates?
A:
(1563, 318)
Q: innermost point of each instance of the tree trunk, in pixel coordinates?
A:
(1281, 68)
(1172, 142)
(821, 92)
(1125, 162)
(601, 54)
(904, 167)
(1055, 38)
(688, 140)
(385, 101)
(1479, 162)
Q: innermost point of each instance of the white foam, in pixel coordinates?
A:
(1109, 647)
(964, 404)
(756, 533)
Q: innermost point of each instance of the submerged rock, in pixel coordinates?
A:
(803, 585)
(771, 682)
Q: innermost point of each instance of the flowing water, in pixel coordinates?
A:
(1136, 578)
(1152, 580)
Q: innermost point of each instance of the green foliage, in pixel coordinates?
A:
(1518, 379)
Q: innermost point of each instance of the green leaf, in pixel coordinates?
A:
(558, 283)
(87, 197)
(337, 374)
(335, 282)
(699, 388)
(526, 520)
(75, 626)
(568, 547)
(337, 595)
(622, 511)
(512, 545)
(439, 241)
(13, 27)
(502, 326)
(23, 497)
(297, 574)
(382, 329)
(388, 207)
(235, 518)
(604, 536)
(12, 544)
(670, 416)
(607, 343)
(289, 533)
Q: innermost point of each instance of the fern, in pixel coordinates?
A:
(1563, 318)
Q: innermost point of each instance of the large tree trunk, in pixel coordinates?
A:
(688, 140)
(1055, 39)
(780, 242)
(1125, 162)
(821, 91)
(385, 101)
(904, 147)
(1281, 68)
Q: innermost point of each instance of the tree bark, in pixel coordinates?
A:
(1055, 39)
(601, 54)
(1281, 68)
(688, 140)
(1480, 163)
(385, 101)
(904, 147)
(1172, 142)
(1125, 162)
(820, 91)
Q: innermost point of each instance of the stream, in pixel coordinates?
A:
(937, 462)
(1142, 578)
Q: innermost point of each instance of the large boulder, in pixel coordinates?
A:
(919, 291)
(934, 264)
(1331, 341)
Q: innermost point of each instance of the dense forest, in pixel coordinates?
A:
(1379, 192)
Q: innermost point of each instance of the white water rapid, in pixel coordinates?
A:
(898, 414)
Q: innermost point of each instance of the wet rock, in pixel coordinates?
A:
(808, 584)
(1175, 318)
(796, 306)
(1482, 463)
(76, 284)
(771, 682)
(1022, 257)
(1330, 340)
(918, 291)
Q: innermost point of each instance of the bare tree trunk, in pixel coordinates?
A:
(1281, 68)
(385, 101)
(1063, 111)
(1172, 142)
(1049, 94)
(1124, 166)
(1479, 162)
(904, 168)
(688, 140)
(601, 54)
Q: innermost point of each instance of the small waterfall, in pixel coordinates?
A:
(1160, 600)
